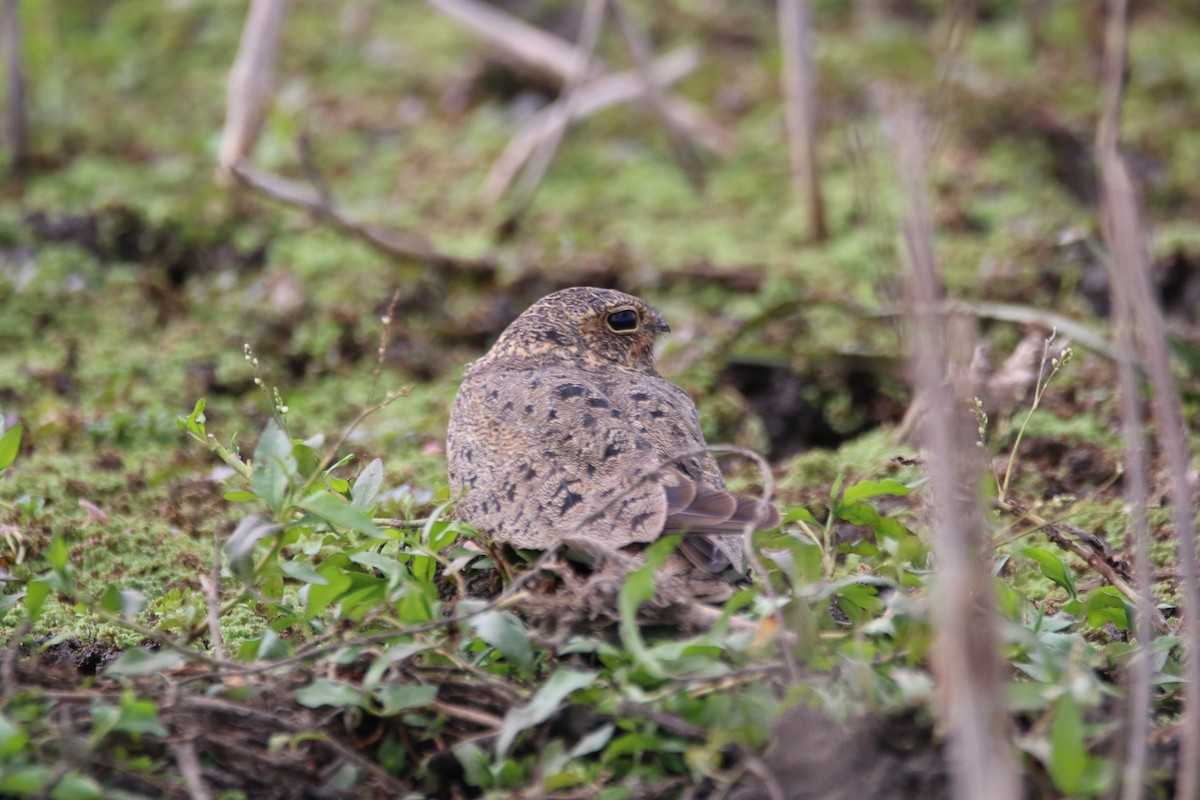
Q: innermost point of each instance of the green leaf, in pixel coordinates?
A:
(799, 514)
(239, 549)
(12, 739)
(396, 697)
(138, 716)
(25, 781)
(1068, 752)
(1106, 604)
(393, 569)
(194, 422)
(274, 465)
(504, 632)
(541, 706)
(339, 513)
(139, 661)
(302, 571)
(863, 514)
(593, 741)
(74, 786)
(329, 693)
(36, 594)
(367, 485)
(638, 588)
(57, 554)
(1053, 568)
(270, 647)
(318, 597)
(865, 489)
(240, 496)
(10, 445)
(125, 602)
(476, 767)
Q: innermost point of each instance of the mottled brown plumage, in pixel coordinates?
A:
(565, 429)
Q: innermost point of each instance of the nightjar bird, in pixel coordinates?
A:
(565, 429)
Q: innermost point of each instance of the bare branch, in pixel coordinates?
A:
(524, 45)
(1143, 326)
(250, 83)
(16, 125)
(404, 245)
(638, 44)
(589, 35)
(597, 95)
(966, 654)
(800, 104)
(189, 766)
(553, 59)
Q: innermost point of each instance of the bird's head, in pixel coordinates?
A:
(585, 326)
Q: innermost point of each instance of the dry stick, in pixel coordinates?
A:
(480, 718)
(535, 170)
(1141, 667)
(8, 661)
(966, 654)
(404, 245)
(800, 104)
(250, 84)
(555, 59)
(1125, 234)
(189, 766)
(599, 94)
(16, 124)
(638, 44)
(530, 47)
(211, 584)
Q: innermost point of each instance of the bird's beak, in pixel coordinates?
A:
(662, 326)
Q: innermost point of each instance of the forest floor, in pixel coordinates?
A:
(178, 626)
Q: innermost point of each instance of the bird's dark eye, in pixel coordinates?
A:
(624, 321)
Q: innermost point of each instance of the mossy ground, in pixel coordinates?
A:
(157, 276)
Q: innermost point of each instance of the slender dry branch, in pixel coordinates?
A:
(554, 59)
(16, 124)
(1141, 667)
(800, 105)
(403, 245)
(189, 767)
(589, 36)
(597, 95)
(523, 45)
(250, 83)
(638, 44)
(1125, 236)
(966, 654)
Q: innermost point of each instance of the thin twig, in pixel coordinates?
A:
(211, 584)
(249, 85)
(404, 245)
(1125, 235)
(526, 46)
(539, 162)
(480, 718)
(800, 105)
(591, 98)
(638, 44)
(8, 661)
(555, 59)
(966, 652)
(16, 123)
(189, 766)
